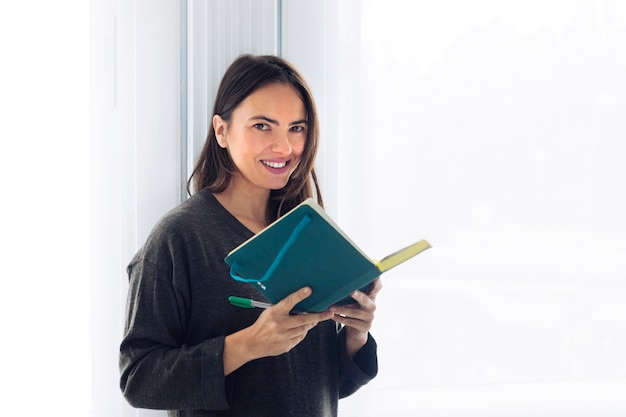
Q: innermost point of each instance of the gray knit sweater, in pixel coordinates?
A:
(178, 315)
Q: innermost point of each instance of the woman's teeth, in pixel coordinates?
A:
(274, 164)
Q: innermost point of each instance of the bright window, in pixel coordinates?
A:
(495, 130)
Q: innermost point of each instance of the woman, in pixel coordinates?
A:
(185, 348)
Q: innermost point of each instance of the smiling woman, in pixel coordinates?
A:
(185, 349)
(282, 105)
(266, 149)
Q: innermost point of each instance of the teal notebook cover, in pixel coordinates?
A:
(306, 248)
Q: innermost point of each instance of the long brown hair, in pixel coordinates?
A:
(215, 168)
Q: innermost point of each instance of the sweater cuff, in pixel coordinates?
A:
(366, 358)
(365, 361)
(213, 381)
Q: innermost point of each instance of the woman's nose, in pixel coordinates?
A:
(282, 144)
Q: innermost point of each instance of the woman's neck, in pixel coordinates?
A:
(249, 208)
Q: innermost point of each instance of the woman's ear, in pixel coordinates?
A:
(219, 126)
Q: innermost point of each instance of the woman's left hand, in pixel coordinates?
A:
(358, 317)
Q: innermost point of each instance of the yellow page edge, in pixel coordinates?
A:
(402, 255)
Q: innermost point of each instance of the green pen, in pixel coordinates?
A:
(248, 303)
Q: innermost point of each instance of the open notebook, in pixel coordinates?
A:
(306, 248)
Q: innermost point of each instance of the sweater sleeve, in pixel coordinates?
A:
(358, 371)
(158, 370)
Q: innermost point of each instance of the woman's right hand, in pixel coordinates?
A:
(275, 332)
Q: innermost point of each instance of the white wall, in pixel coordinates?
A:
(136, 163)
(44, 215)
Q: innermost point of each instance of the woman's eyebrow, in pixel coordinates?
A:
(265, 118)
(275, 122)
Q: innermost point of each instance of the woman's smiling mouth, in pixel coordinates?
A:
(275, 165)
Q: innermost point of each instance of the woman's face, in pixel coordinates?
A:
(265, 137)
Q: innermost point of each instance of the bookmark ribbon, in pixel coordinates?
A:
(279, 256)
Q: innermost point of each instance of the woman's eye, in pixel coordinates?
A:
(262, 126)
(297, 129)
